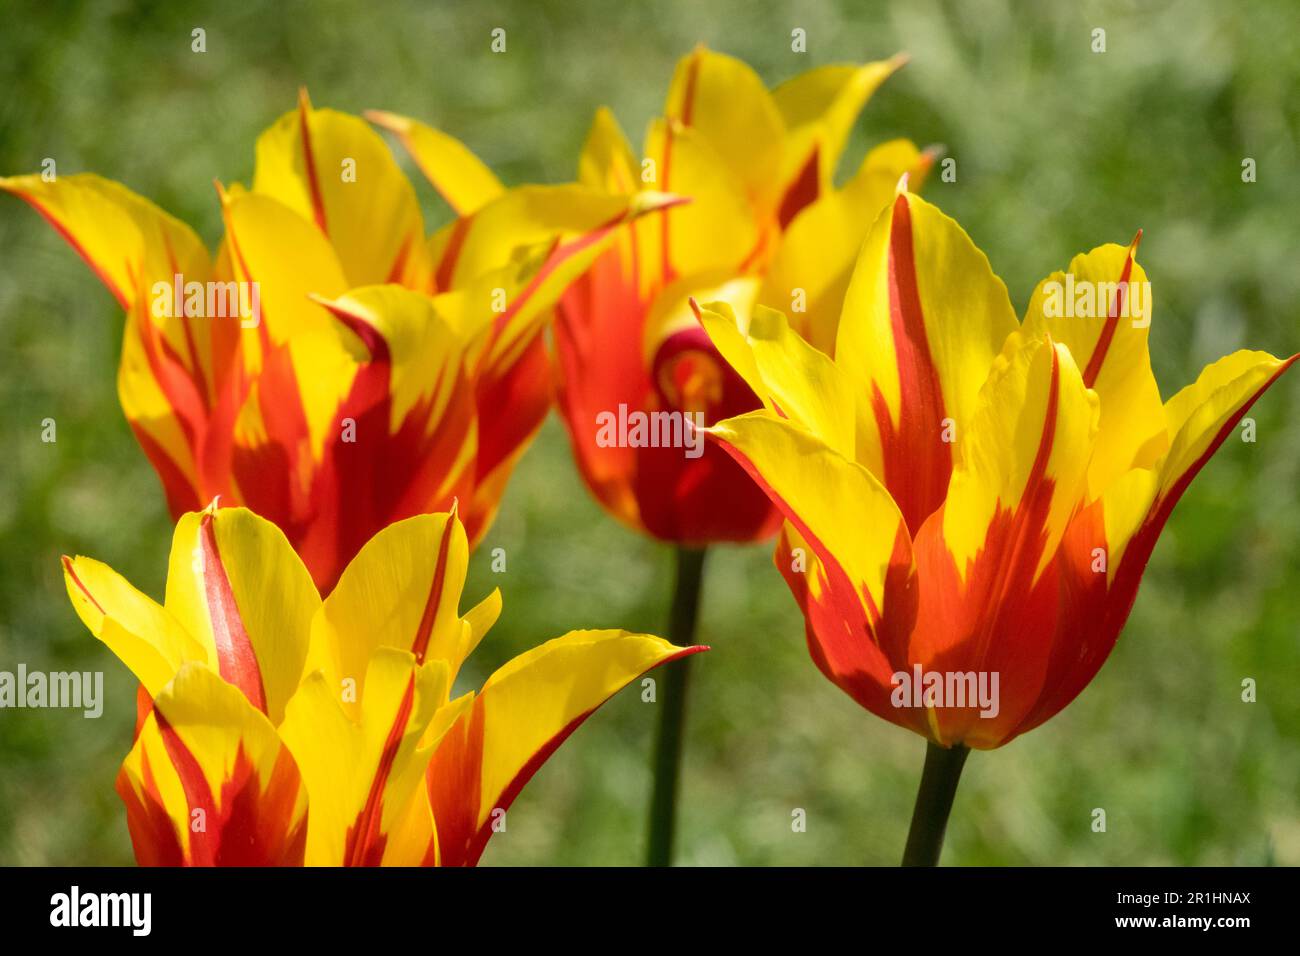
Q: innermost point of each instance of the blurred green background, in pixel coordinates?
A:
(1058, 149)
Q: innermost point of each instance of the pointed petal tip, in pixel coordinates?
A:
(900, 59)
(389, 121)
(679, 652)
(643, 203)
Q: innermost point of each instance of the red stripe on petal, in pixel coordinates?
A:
(446, 271)
(1107, 335)
(365, 840)
(1093, 616)
(802, 192)
(72, 573)
(917, 462)
(427, 620)
(309, 161)
(153, 832)
(236, 659)
(998, 614)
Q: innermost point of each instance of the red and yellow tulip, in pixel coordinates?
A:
(329, 365)
(966, 493)
(764, 225)
(286, 730)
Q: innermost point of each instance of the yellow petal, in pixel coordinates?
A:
(273, 245)
(525, 710)
(717, 228)
(1204, 413)
(127, 240)
(155, 420)
(726, 103)
(522, 218)
(518, 256)
(363, 773)
(789, 374)
(819, 108)
(845, 515)
(137, 250)
(1126, 505)
(422, 347)
(1100, 309)
(290, 262)
(607, 162)
(335, 171)
(147, 639)
(809, 275)
(402, 590)
(923, 319)
(460, 177)
(235, 583)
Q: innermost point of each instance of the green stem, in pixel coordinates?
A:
(672, 707)
(933, 804)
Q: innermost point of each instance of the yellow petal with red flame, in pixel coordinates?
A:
(363, 771)
(402, 590)
(523, 713)
(144, 635)
(236, 585)
(208, 782)
(126, 240)
(861, 602)
(819, 108)
(810, 271)
(725, 103)
(1100, 309)
(336, 172)
(924, 317)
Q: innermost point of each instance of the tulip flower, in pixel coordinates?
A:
(765, 224)
(970, 500)
(285, 730)
(328, 365)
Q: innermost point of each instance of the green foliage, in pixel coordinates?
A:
(1058, 149)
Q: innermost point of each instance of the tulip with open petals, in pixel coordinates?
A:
(972, 494)
(425, 384)
(970, 500)
(286, 730)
